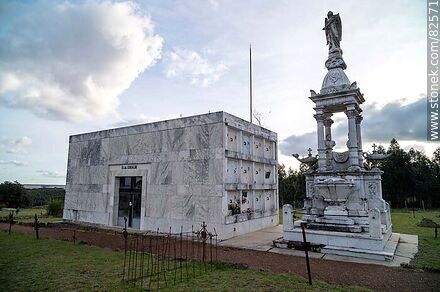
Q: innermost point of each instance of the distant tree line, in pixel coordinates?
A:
(13, 195)
(410, 179)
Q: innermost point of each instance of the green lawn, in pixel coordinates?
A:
(25, 212)
(27, 264)
(428, 256)
(27, 215)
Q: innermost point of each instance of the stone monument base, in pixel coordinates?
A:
(361, 245)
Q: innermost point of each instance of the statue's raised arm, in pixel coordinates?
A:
(333, 30)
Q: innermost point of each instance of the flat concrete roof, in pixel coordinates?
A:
(202, 119)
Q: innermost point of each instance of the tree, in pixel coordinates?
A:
(291, 185)
(12, 194)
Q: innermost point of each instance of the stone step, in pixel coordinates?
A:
(387, 254)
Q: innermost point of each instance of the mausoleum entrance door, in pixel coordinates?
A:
(130, 188)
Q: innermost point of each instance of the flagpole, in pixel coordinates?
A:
(250, 82)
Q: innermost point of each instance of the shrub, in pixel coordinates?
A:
(55, 208)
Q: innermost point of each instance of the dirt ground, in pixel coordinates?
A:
(379, 278)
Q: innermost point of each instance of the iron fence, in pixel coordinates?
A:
(157, 259)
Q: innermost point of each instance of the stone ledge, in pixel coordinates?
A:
(238, 186)
(247, 157)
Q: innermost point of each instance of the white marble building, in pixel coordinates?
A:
(214, 167)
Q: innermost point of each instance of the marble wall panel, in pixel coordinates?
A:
(93, 217)
(161, 173)
(258, 147)
(118, 146)
(233, 171)
(215, 210)
(259, 173)
(176, 139)
(216, 136)
(198, 137)
(157, 205)
(246, 144)
(196, 171)
(216, 175)
(232, 139)
(169, 190)
(70, 200)
(246, 172)
(259, 200)
(96, 202)
(212, 190)
(145, 143)
(269, 171)
(269, 149)
(201, 208)
(91, 155)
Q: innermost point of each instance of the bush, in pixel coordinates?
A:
(55, 208)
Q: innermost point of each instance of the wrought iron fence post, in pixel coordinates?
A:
(37, 227)
(306, 249)
(11, 221)
(125, 234)
(216, 244)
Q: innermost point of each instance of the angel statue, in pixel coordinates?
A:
(333, 30)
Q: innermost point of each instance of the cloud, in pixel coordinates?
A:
(19, 146)
(13, 162)
(405, 122)
(49, 173)
(191, 65)
(71, 60)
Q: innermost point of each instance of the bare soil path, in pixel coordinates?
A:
(379, 278)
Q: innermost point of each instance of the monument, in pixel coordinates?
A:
(343, 209)
(177, 173)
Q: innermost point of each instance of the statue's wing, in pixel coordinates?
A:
(339, 26)
(327, 36)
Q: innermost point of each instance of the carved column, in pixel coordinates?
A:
(320, 117)
(329, 143)
(352, 143)
(359, 138)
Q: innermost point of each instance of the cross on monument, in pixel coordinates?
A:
(310, 151)
(374, 147)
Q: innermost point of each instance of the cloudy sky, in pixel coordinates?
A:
(68, 67)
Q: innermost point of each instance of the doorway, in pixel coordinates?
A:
(130, 188)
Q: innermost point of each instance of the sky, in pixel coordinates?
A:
(69, 67)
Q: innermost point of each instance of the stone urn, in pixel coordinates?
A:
(335, 192)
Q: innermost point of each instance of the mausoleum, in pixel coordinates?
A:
(177, 173)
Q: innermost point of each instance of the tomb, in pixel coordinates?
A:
(177, 173)
(343, 210)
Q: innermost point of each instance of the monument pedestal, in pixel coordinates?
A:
(349, 243)
(344, 212)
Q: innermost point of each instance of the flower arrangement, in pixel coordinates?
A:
(234, 207)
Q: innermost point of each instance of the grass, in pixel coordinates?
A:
(428, 256)
(27, 215)
(28, 264)
(25, 212)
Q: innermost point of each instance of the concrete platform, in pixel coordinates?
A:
(262, 240)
